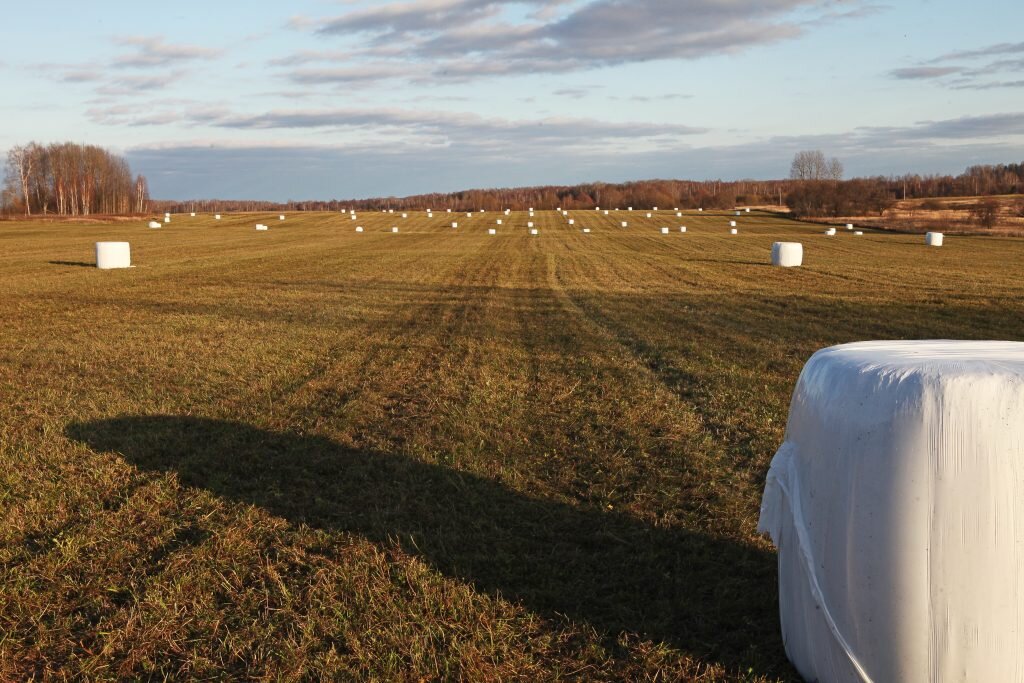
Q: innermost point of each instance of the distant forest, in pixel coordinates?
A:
(68, 179)
(811, 197)
(80, 180)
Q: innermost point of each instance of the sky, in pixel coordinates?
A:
(320, 99)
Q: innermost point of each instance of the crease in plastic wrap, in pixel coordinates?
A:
(896, 503)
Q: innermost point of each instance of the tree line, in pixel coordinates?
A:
(68, 179)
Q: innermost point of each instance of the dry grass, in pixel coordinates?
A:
(311, 454)
(954, 215)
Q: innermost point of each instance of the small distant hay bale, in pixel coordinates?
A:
(682, 228)
(216, 217)
(529, 224)
(664, 231)
(454, 224)
(787, 254)
(732, 224)
(857, 232)
(534, 231)
(586, 230)
(625, 224)
(734, 231)
(359, 228)
(933, 239)
(492, 231)
(154, 224)
(394, 228)
(261, 227)
(572, 222)
(830, 232)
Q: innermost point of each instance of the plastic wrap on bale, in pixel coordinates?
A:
(897, 505)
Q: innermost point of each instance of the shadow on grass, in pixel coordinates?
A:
(80, 264)
(712, 597)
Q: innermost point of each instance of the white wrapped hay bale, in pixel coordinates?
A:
(849, 226)
(572, 221)
(734, 231)
(154, 224)
(359, 228)
(606, 212)
(732, 224)
(193, 214)
(787, 254)
(529, 224)
(167, 219)
(679, 214)
(830, 232)
(405, 215)
(534, 231)
(700, 210)
(281, 217)
(625, 224)
(492, 231)
(216, 217)
(261, 227)
(664, 231)
(353, 216)
(747, 209)
(857, 232)
(586, 231)
(682, 228)
(110, 255)
(933, 239)
(469, 214)
(454, 224)
(430, 215)
(394, 229)
(448, 210)
(629, 209)
(896, 508)
(648, 214)
(499, 221)
(737, 213)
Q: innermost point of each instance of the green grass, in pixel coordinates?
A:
(308, 453)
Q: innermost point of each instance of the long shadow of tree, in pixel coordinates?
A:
(711, 597)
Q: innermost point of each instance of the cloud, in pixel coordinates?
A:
(149, 52)
(466, 39)
(924, 72)
(974, 77)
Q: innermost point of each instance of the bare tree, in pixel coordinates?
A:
(21, 161)
(812, 165)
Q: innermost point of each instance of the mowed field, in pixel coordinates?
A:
(313, 454)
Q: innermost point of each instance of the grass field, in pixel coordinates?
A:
(309, 453)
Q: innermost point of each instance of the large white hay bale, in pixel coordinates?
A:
(261, 227)
(830, 232)
(281, 217)
(391, 210)
(508, 211)
(849, 226)
(629, 209)
(682, 228)
(648, 214)
(359, 228)
(216, 217)
(193, 214)
(430, 215)
(625, 224)
(167, 219)
(679, 214)
(405, 215)
(154, 224)
(534, 231)
(448, 210)
(492, 231)
(787, 254)
(469, 215)
(572, 221)
(499, 221)
(529, 224)
(732, 224)
(664, 231)
(394, 228)
(734, 231)
(606, 212)
(454, 224)
(700, 209)
(110, 255)
(933, 239)
(353, 216)
(896, 508)
(654, 208)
